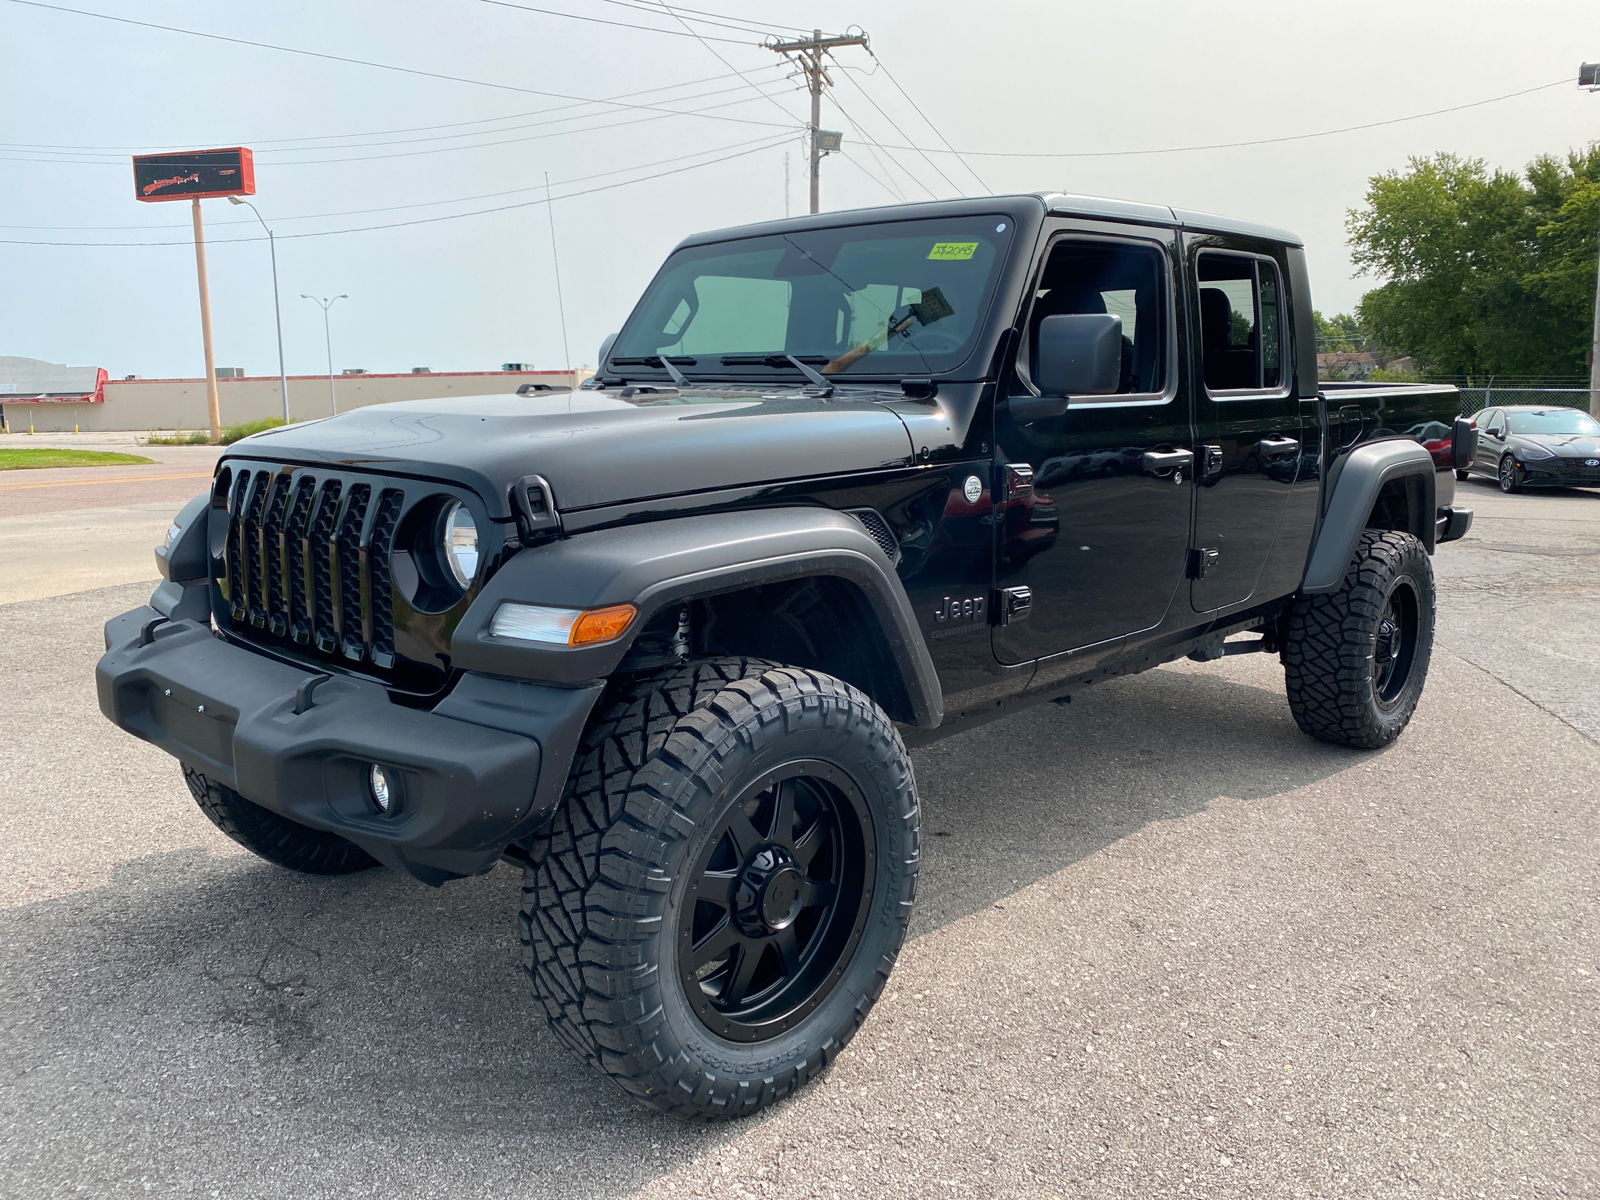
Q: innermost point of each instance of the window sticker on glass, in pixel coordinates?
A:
(952, 251)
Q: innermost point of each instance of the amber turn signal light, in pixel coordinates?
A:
(602, 624)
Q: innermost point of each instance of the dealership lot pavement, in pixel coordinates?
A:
(68, 529)
(1165, 945)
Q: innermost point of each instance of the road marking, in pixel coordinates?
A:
(24, 487)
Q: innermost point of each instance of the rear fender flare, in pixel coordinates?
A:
(1362, 478)
(659, 563)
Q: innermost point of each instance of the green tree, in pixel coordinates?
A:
(1486, 273)
(1339, 333)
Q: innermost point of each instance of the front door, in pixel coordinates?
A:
(1246, 412)
(1098, 534)
(1491, 441)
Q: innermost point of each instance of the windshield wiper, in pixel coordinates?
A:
(769, 360)
(784, 360)
(813, 375)
(662, 361)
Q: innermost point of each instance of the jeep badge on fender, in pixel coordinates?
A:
(663, 642)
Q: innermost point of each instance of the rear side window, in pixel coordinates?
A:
(1241, 323)
(1125, 279)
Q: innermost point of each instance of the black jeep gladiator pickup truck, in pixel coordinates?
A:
(843, 484)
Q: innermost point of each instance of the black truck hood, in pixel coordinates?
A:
(597, 448)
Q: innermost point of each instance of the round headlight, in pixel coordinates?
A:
(460, 535)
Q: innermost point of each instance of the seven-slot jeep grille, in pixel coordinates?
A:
(308, 565)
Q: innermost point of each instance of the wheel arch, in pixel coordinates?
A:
(1382, 485)
(808, 581)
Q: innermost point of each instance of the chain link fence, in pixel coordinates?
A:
(1474, 399)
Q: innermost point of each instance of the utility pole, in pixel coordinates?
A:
(808, 52)
(1589, 77)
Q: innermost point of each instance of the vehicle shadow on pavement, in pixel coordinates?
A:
(207, 1023)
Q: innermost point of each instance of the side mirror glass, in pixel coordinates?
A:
(1080, 354)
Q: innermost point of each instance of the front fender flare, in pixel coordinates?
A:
(665, 562)
(1361, 479)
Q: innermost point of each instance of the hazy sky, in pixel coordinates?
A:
(472, 293)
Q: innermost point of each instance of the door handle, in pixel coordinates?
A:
(1159, 462)
(1276, 447)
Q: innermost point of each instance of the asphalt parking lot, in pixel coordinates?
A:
(1165, 945)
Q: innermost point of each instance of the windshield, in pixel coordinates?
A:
(1554, 420)
(898, 298)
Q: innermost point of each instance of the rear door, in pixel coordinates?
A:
(1247, 415)
(1092, 507)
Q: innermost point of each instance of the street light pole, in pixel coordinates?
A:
(1589, 77)
(327, 336)
(277, 310)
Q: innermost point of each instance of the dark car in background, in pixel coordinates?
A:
(1529, 445)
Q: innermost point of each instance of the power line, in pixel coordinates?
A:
(763, 142)
(850, 158)
(1294, 137)
(534, 137)
(550, 12)
(723, 61)
(120, 152)
(929, 122)
(701, 17)
(771, 144)
(359, 62)
(868, 141)
(902, 132)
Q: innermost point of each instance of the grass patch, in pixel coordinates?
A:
(22, 460)
(230, 434)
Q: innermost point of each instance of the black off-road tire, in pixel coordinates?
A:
(277, 839)
(1341, 688)
(605, 888)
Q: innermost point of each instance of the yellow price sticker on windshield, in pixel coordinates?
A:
(952, 251)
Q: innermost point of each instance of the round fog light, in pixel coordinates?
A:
(382, 794)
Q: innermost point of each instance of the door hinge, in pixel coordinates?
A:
(1210, 460)
(1011, 605)
(1019, 480)
(1202, 560)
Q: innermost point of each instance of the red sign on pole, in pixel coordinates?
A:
(195, 175)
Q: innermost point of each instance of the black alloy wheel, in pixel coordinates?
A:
(1356, 659)
(1510, 475)
(781, 890)
(1394, 648)
(717, 903)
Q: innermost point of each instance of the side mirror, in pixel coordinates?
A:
(1463, 443)
(1079, 354)
(605, 349)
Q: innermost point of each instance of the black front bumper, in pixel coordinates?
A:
(467, 787)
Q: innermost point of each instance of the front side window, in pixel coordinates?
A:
(1556, 421)
(895, 298)
(1125, 279)
(1241, 323)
